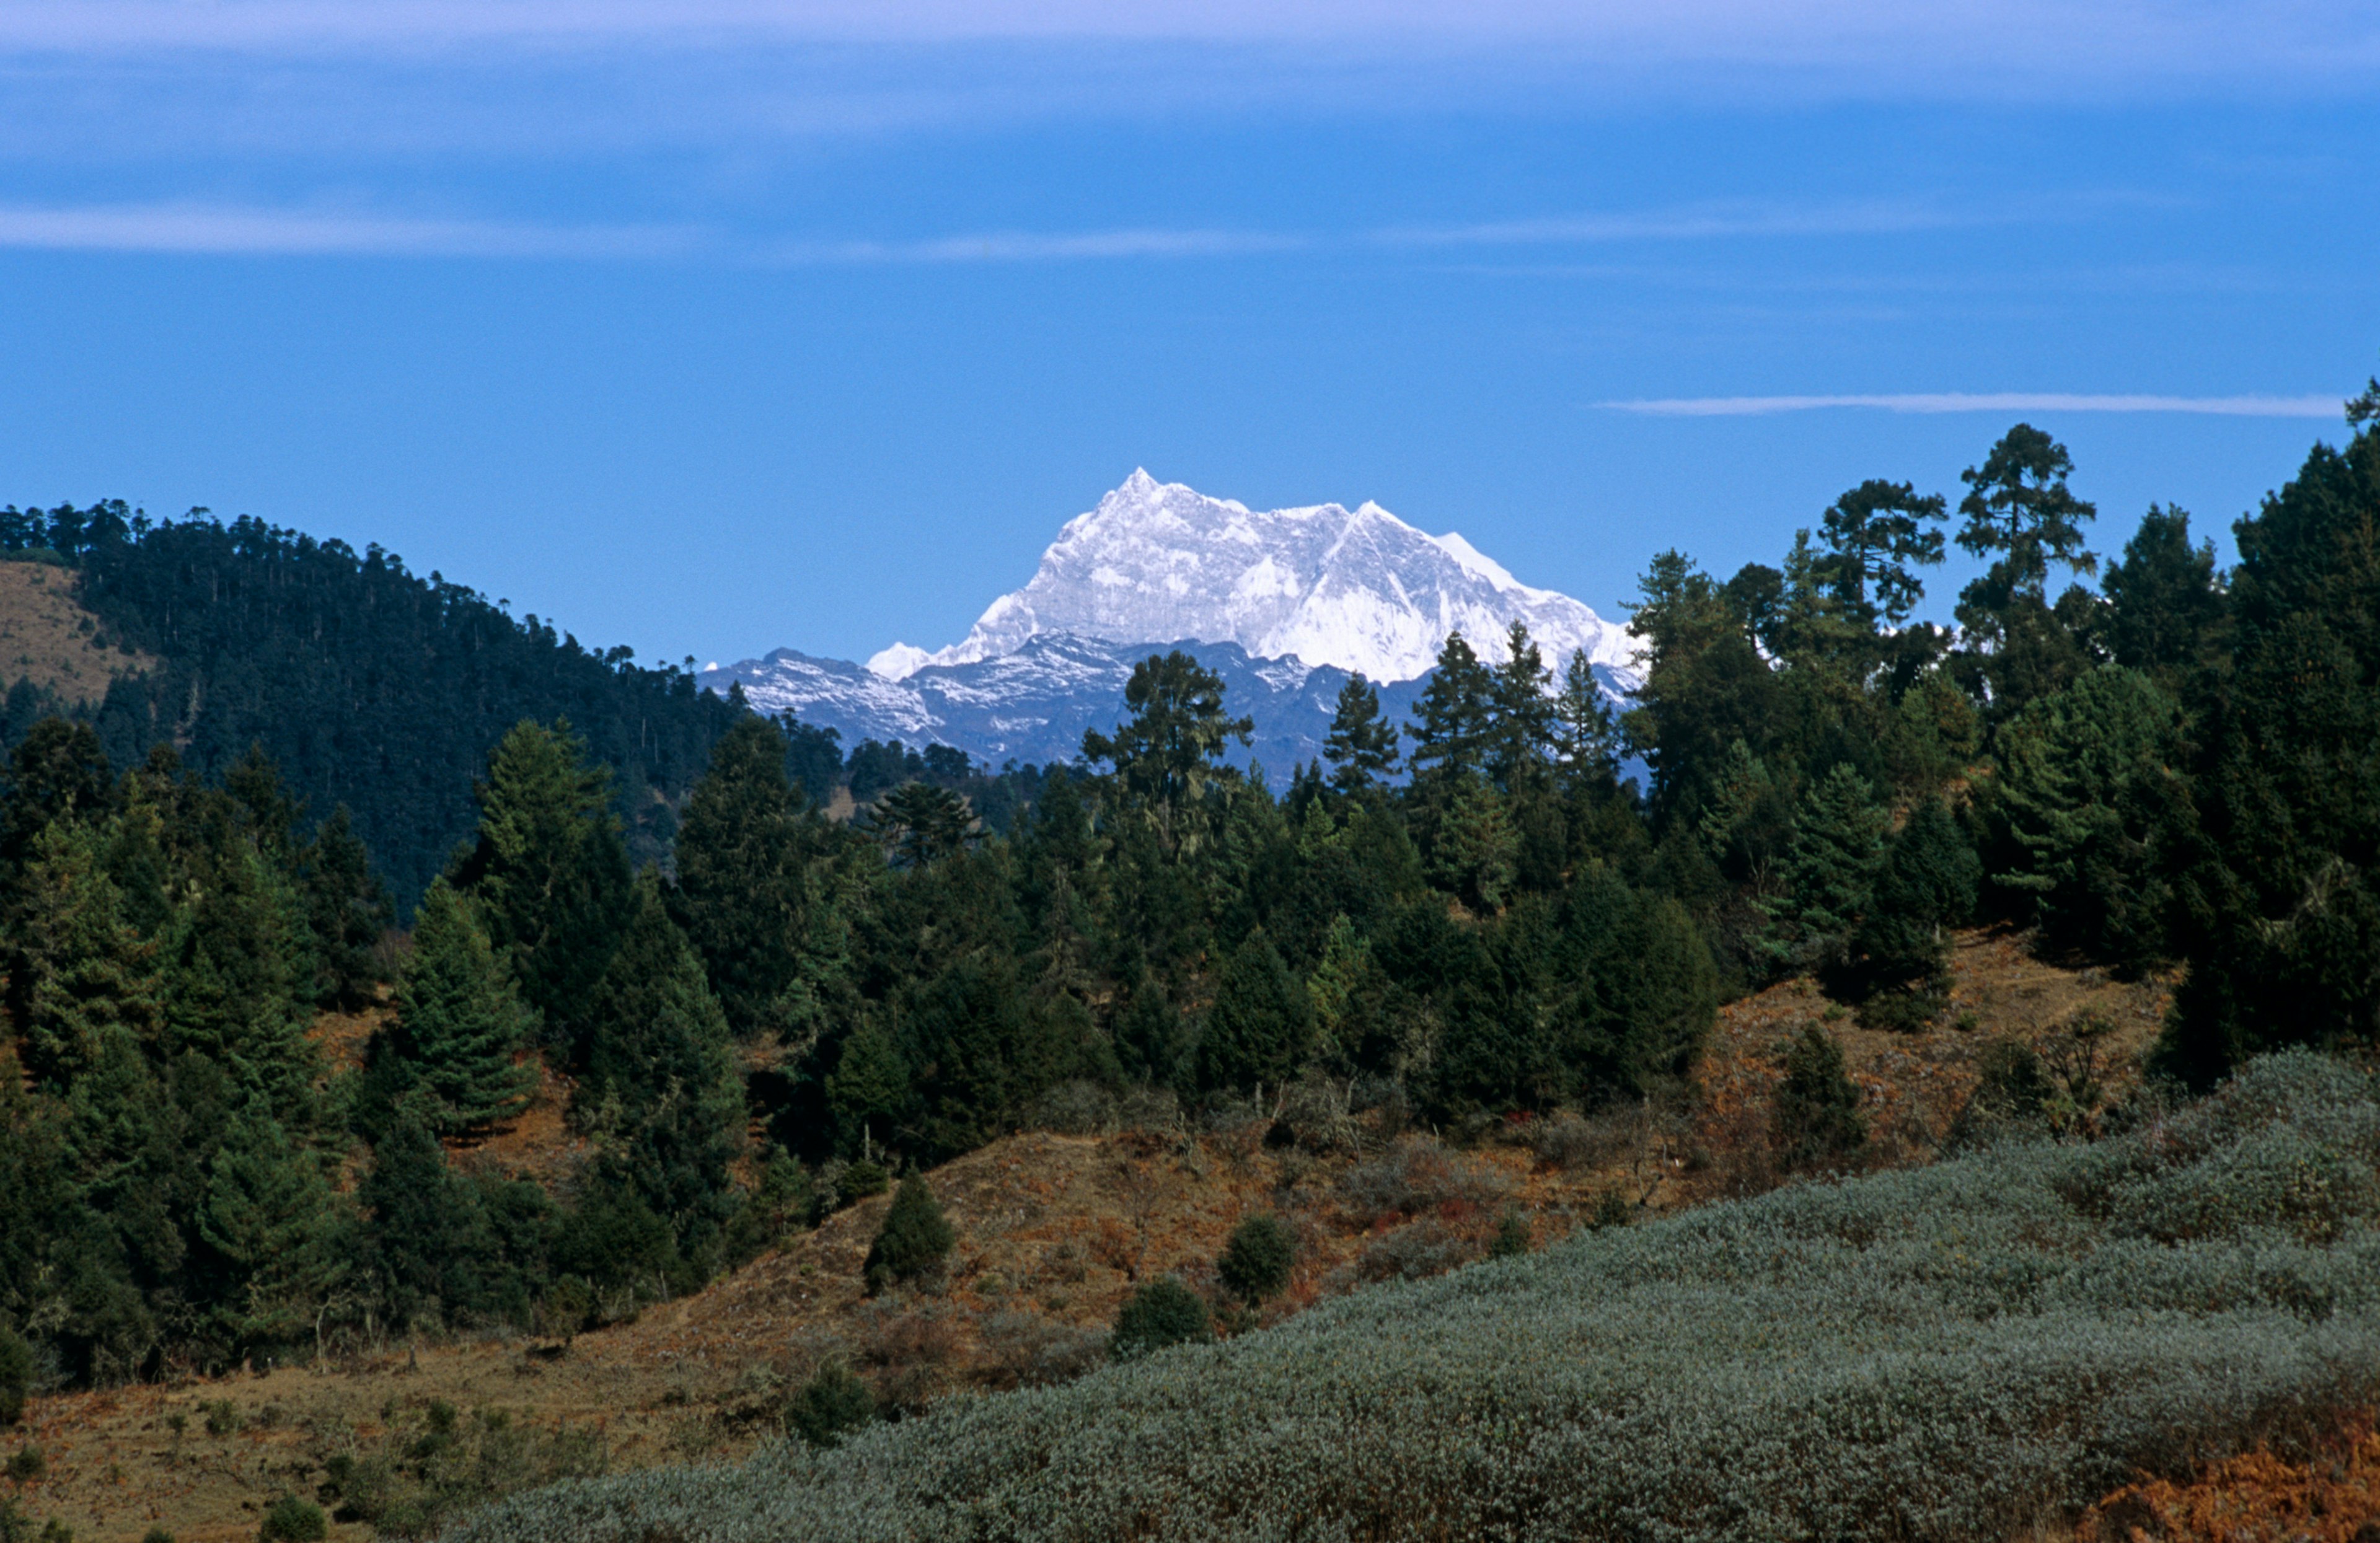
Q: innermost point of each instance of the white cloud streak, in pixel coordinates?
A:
(208, 230)
(2315, 406)
(216, 229)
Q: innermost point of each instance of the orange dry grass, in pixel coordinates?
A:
(2258, 1498)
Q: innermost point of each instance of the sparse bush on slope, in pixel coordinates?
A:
(1945, 1353)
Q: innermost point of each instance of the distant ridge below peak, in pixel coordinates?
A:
(1359, 589)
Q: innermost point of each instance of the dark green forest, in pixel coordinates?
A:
(369, 687)
(1452, 918)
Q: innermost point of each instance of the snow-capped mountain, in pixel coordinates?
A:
(1032, 706)
(1358, 589)
(1282, 606)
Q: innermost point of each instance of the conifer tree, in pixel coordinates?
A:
(460, 1020)
(1361, 745)
(1454, 717)
(425, 1240)
(1818, 1121)
(742, 850)
(237, 967)
(550, 871)
(1586, 736)
(347, 908)
(1261, 1025)
(868, 1085)
(1164, 1312)
(1875, 534)
(920, 824)
(661, 1089)
(2165, 600)
(1476, 848)
(75, 968)
(914, 1240)
(278, 1230)
(1171, 749)
(1926, 887)
(1521, 726)
(1831, 874)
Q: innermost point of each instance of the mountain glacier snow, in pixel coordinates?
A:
(1358, 589)
(1282, 604)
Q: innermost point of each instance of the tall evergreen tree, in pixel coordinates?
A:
(237, 965)
(1585, 734)
(1876, 535)
(1169, 750)
(1261, 1025)
(75, 968)
(1454, 717)
(2021, 516)
(1521, 724)
(662, 1091)
(349, 909)
(1831, 871)
(1361, 745)
(1926, 887)
(743, 851)
(459, 1020)
(277, 1229)
(920, 824)
(2164, 599)
(550, 871)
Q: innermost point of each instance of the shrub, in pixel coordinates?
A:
(862, 1179)
(16, 1375)
(156, 1535)
(223, 1417)
(1416, 1175)
(1412, 1253)
(1818, 1118)
(27, 1465)
(1949, 1353)
(831, 1406)
(292, 1520)
(1164, 1312)
(915, 1238)
(1514, 1236)
(1029, 1351)
(1255, 1261)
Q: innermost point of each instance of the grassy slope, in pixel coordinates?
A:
(1953, 1352)
(49, 637)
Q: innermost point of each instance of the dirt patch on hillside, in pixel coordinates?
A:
(48, 638)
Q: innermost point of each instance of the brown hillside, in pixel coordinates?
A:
(1054, 1230)
(48, 638)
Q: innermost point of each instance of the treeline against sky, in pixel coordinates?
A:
(1450, 919)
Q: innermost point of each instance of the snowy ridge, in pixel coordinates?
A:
(1357, 589)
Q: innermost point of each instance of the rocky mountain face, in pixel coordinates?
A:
(1283, 605)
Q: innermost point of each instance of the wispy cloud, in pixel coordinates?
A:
(2318, 405)
(194, 228)
(208, 229)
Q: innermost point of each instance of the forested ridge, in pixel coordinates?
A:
(367, 686)
(1453, 919)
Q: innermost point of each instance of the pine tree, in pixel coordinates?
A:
(1818, 1121)
(460, 1020)
(1261, 1026)
(2165, 600)
(1831, 871)
(1875, 535)
(1361, 745)
(868, 1085)
(1928, 886)
(914, 1240)
(662, 1088)
(1520, 720)
(1586, 736)
(277, 1228)
(1169, 749)
(349, 909)
(1476, 848)
(237, 969)
(1454, 717)
(425, 1236)
(743, 848)
(919, 824)
(75, 968)
(550, 871)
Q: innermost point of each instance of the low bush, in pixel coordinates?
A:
(1257, 1259)
(830, 1407)
(1417, 1174)
(1164, 1312)
(1959, 1352)
(292, 1520)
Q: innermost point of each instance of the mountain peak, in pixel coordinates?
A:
(1360, 590)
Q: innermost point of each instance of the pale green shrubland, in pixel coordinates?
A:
(1950, 1353)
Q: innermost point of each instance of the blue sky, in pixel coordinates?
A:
(727, 325)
